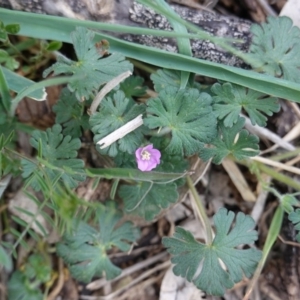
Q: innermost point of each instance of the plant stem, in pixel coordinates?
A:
(279, 177)
(285, 155)
(273, 233)
(143, 66)
(161, 132)
(272, 173)
(201, 210)
(9, 44)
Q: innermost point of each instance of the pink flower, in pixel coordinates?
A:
(147, 158)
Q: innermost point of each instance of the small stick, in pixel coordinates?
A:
(121, 132)
(276, 164)
(106, 89)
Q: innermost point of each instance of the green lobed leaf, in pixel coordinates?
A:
(20, 288)
(230, 99)
(172, 163)
(294, 217)
(12, 28)
(147, 199)
(164, 78)
(169, 162)
(125, 160)
(38, 268)
(114, 112)
(275, 48)
(189, 254)
(59, 151)
(70, 113)
(95, 69)
(25, 284)
(287, 202)
(133, 87)
(189, 116)
(8, 61)
(234, 140)
(85, 250)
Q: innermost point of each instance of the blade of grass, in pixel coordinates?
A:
(165, 10)
(132, 174)
(61, 36)
(184, 45)
(273, 233)
(4, 92)
(38, 86)
(57, 28)
(18, 83)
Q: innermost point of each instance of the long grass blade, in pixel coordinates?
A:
(58, 28)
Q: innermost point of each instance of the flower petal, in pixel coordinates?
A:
(138, 153)
(148, 148)
(143, 165)
(155, 154)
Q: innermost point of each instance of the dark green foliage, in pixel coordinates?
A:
(172, 163)
(60, 152)
(85, 249)
(294, 217)
(164, 78)
(93, 69)
(70, 114)
(275, 48)
(188, 115)
(230, 99)
(25, 284)
(20, 289)
(133, 87)
(115, 112)
(234, 140)
(8, 61)
(148, 199)
(189, 254)
(288, 202)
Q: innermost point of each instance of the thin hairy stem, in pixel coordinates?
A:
(201, 211)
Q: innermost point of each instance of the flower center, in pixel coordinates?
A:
(145, 155)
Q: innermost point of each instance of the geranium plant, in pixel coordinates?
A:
(151, 161)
